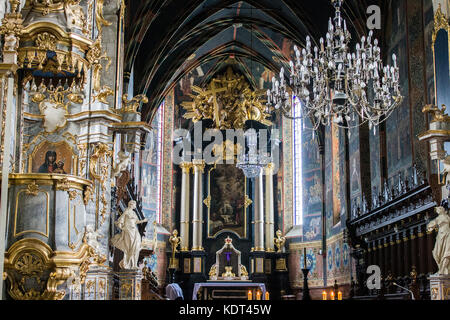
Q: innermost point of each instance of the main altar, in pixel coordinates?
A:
(228, 278)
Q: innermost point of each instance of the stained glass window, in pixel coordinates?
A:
(297, 167)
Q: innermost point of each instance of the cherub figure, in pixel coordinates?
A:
(91, 237)
(122, 165)
(279, 241)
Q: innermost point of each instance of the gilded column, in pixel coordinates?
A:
(269, 226)
(184, 215)
(259, 214)
(199, 167)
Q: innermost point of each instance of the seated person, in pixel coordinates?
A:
(174, 292)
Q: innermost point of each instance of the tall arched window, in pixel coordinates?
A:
(151, 170)
(297, 167)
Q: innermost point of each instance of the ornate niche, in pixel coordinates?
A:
(228, 264)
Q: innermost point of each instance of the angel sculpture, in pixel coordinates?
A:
(174, 241)
(279, 241)
(441, 251)
(129, 240)
(122, 165)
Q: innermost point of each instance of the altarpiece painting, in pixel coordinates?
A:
(226, 201)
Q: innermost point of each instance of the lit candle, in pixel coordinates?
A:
(249, 295)
(324, 295)
(267, 295)
(304, 258)
(332, 295)
(258, 295)
(339, 295)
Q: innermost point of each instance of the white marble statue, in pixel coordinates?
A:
(91, 237)
(129, 240)
(121, 165)
(441, 251)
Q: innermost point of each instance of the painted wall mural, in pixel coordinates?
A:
(339, 266)
(398, 126)
(313, 260)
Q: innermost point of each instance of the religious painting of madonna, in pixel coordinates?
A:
(51, 157)
(227, 189)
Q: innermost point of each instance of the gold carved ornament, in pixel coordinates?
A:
(32, 189)
(94, 57)
(229, 101)
(35, 271)
(440, 22)
(279, 241)
(438, 115)
(98, 168)
(99, 19)
(133, 104)
(12, 27)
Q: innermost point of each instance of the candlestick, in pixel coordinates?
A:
(267, 295)
(304, 258)
(339, 295)
(258, 295)
(249, 295)
(324, 295)
(332, 295)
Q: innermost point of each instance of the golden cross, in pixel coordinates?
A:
(213, 91)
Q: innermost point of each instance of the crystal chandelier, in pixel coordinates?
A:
(252, 163)
(333, 83)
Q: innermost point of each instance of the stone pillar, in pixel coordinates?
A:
(184, 215)
(259, 214)
(130, 284)
(98, 284)
(197, 228)
(269, 225)
(9, 81)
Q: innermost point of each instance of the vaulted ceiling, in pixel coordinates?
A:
(167, 39)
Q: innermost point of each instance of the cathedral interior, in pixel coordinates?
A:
(224, 149)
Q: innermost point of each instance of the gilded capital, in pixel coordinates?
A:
(270, 167)
(186, 167)
(199, 165)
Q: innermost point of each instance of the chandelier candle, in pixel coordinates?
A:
(334, 84)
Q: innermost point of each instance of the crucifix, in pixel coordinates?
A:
(213, 91)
